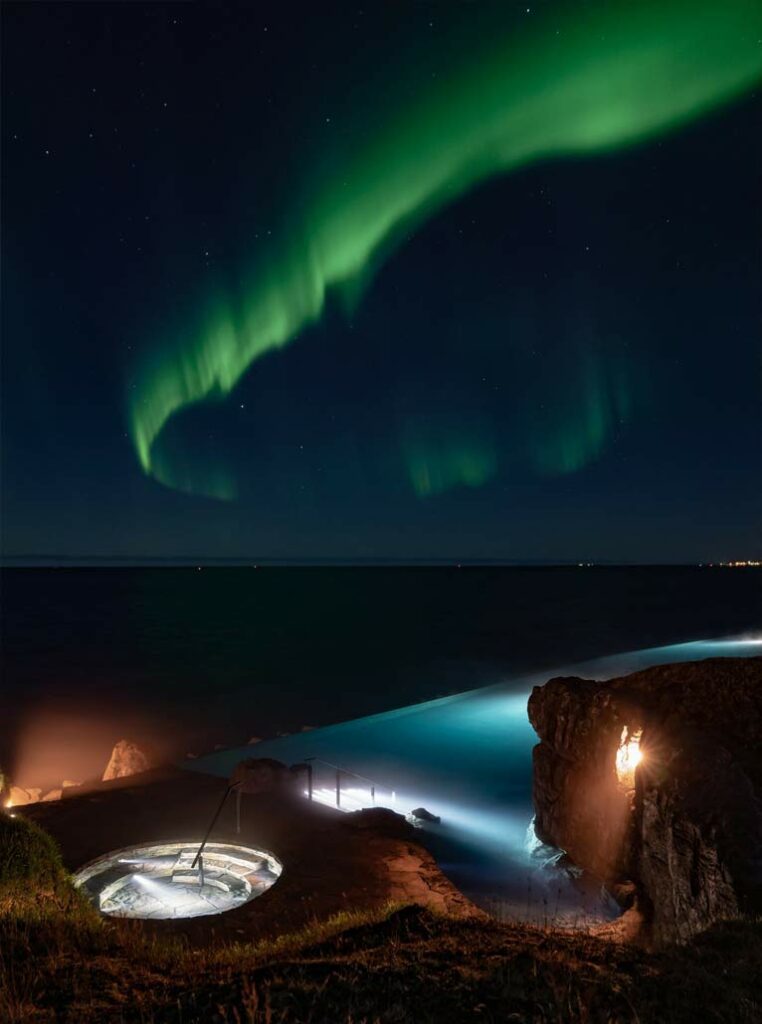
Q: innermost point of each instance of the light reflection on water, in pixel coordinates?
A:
(468, 759)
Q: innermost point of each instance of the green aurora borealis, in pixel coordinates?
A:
(572, 82)
(443, 455)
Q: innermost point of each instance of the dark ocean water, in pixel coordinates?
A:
(186, 659)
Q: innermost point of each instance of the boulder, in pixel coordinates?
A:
(378, 819)
(126, 759)
(264, 774)
(17, 796)
(684, 825)
(53, 794)
(421, 814)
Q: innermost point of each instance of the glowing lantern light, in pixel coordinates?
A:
(628, 756)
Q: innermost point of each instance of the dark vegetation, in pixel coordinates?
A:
(59, 961)
(30, 867)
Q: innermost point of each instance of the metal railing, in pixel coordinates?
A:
(340, 773)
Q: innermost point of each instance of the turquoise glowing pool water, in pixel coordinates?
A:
(468, 759)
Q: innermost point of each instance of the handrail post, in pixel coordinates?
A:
(225, 795)
(309, 761)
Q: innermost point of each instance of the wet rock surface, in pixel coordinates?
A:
(686, 828)
(421, 814)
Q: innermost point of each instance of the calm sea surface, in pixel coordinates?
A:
(186, 659)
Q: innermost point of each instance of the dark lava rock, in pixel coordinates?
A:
(265, 774)
(686, 828)
(381, 820)
(421, 814)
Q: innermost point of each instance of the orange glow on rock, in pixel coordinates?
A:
(628, 756)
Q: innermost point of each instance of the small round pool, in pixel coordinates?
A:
(160, 880)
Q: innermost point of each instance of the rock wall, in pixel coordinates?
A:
(579, 805)
(687, 829)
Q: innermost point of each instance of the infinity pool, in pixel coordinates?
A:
(468, 760)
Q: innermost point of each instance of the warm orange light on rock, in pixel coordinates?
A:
(628, 756)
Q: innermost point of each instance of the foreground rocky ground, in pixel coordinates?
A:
(398, 966)
(332, 862)
(62, 962)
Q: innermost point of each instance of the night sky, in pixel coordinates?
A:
(403, 281)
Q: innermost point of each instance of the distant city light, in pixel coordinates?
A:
(742, 563)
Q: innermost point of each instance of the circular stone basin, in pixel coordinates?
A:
(158, 880)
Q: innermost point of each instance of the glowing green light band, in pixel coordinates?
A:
(593, 78)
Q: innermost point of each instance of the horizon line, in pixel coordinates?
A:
(211, 561)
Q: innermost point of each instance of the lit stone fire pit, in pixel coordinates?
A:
(160, 880)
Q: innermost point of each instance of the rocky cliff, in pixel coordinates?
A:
(656, 778)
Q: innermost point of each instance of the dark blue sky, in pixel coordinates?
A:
(145, 144)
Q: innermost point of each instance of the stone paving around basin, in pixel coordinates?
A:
(160, 881)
